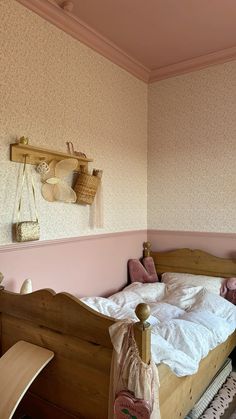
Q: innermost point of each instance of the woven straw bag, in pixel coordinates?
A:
(86, 186)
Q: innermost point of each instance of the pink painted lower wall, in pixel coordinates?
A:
(91, 265)
(218, 244)
(96, 265)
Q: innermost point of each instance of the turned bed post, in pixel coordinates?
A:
(146, 249)
(142, 332)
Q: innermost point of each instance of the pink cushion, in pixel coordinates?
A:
(127, 406)
(148, 263)
(138, 273)
(228, 290)
(231, 296)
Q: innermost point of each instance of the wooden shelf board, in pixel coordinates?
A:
(37, 154)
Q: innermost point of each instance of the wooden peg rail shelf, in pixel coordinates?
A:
(35, 155)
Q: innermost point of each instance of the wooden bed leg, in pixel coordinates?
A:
(146, 249)
(142, 332)
(19, 366)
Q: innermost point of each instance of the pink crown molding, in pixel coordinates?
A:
(77, 29)
(194, 64)
(73, 26)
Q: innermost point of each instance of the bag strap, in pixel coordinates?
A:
(70, 147)
(21, 192)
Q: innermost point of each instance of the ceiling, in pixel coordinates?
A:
(152, 39)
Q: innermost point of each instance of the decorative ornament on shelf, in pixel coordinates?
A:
(43, 168)
(70, 148)
(54, 187)
(24, 140)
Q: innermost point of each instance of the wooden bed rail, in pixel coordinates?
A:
(142, 332)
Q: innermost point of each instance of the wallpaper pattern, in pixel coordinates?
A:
(191, 151)
(54, 89)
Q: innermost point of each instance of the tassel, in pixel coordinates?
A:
(96, 209)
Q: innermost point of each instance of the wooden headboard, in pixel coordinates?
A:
(191, 261)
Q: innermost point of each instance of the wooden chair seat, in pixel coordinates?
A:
(19, 366)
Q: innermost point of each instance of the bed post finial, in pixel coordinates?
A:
(142, 311)
(146, 249)
(142, 332)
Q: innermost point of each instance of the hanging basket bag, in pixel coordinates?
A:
(87, 185)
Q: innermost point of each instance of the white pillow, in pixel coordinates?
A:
(210, 283)
(183, 296)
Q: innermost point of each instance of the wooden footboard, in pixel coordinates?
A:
(76, 383)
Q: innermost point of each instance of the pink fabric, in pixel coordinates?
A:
(228, 290)
(148, 263)
(138, 273)
(130, 374)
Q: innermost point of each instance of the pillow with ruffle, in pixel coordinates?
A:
(210, 283)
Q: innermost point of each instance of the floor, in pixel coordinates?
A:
(232, 407)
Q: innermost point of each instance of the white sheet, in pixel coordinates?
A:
(187, 322)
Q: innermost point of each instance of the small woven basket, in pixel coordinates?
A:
(86, 186)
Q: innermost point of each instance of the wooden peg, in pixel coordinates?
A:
(24, 140)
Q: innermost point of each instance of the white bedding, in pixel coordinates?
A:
(187, 322)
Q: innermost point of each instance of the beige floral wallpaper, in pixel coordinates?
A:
(192, 150)
(54, 89)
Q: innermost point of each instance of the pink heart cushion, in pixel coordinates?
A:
(128, 407)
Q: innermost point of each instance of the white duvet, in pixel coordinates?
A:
(187, 322)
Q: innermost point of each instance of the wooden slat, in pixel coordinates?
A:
(60, 312)
(19, 366)
(195, 262)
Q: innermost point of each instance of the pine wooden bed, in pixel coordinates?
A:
(76, 382)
